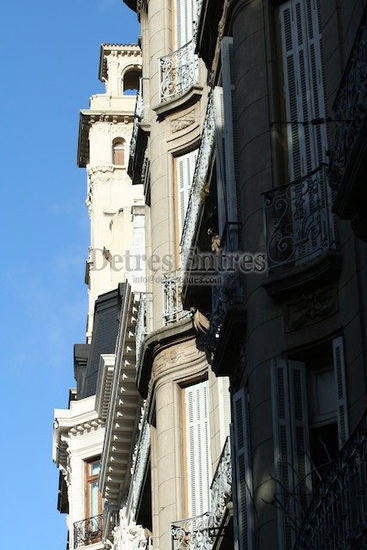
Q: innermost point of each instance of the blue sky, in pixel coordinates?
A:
(49, 66)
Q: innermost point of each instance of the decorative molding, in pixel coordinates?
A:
(311, 307)
(128, 534)
(86, 427)
(183, 122)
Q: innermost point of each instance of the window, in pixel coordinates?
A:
(310, 424)
(130, 81)
(197, 446)
(118, 152)
(322, 420)
(93, 500)
(184, 168)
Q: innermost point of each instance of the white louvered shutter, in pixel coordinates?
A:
(243, 486)
(291, 444)
(341, 390)
(303, 85)
(197, 448)
(185, 14)
(185, 173)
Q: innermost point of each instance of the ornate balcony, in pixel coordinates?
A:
(200, 533)
(143, 322)
(350, 114)
(221, 487)
(298, 221)
(172, 297)
(88, 531)
(139, 462)
(138, 142)
(178, 72)
(191, 534)
(337, 516)
(198, 183)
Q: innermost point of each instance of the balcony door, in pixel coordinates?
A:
(301, 44)
(93, 500)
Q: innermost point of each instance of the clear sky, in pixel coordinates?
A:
(49, 66)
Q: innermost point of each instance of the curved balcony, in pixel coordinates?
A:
(178, 72)
(138, 143)
(337, 516)
(298, 221)
(88, 531)
(201, 532)
(198, 183)
(350, 110)
(172, 297)
(143, 322)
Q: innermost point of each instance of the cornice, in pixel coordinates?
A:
(89, 117)
(125, 50)
(123, 411)
(156, 342)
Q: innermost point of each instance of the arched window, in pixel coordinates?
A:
(118, 152)
(130, 81)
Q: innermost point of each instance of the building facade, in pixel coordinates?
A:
(278, 89)
(221, 397)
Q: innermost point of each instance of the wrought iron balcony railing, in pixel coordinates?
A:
(88, 531)
(140, 458)
(138, 115)
(172, 297)
(200, 532)
(221, 487)
(192, 534)
(337, 516)
(350, 108)
(143, 322)
(298, 221)
(178, 72)
(198, 183)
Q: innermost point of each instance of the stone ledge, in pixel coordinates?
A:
(185, 100)
(155, 342)
(282, 285)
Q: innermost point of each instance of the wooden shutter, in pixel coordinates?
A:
(341, 390)
(291, 445)
(185, 173)
(303, 85)
(197, 448)
(243, 472)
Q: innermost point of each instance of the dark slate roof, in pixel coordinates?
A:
(132, 4)
(81, 355)
(105, 329)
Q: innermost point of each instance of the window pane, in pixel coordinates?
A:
(95, 468)
(94, 498)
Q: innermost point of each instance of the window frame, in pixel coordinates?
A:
(89, 480)
(119, 144)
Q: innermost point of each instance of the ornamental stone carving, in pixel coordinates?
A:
(310, 308)
(183, 122)
(127, 535)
